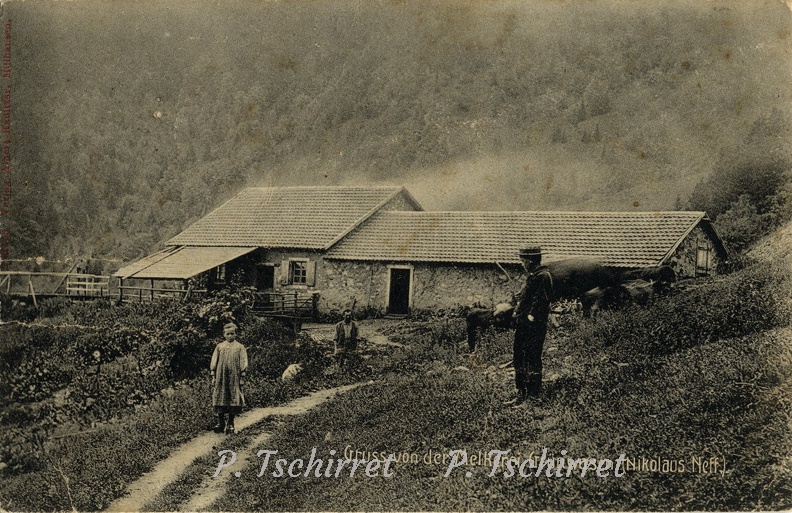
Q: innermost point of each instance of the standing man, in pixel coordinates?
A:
(229, 365)
(346, 336)
(531, 314)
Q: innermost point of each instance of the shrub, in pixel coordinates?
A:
(748, 301)
(13, 310)
(54, 306)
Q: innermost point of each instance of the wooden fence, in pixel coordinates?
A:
(130, 293)
(36, 285)
(285, 304)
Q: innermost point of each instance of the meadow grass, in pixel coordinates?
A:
(657, 384)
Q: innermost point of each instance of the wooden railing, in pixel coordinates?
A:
(35, 285)
(87, 285)
(129, 293)
(48, 284)
(285, 304)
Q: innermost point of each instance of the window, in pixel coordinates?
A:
(298, 272)
(220, 273)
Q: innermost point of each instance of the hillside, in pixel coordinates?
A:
(775, 247)
(703, 374)
(131, 120)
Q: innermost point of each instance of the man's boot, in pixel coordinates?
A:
(517, 400)
(534, 385)
(221, 424)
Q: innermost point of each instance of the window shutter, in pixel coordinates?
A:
(310, 273)
(284, 272)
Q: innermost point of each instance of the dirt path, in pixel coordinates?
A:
(145, 489)
(211, 488)
(150, 486)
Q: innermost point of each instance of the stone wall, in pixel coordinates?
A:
(347, 283)
(343, 284)
(339, 284)
(683, 261)
(448, 286)
(434, 286)
(276, 259)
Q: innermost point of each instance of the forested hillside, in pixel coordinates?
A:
(133, 119)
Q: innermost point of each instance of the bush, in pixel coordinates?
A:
(54, 306)
(14, 310)
(745, 302)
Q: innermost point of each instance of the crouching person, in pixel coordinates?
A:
(229, 365)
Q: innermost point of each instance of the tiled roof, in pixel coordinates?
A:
(181, 263)
(139, 265)
(628, 239)
(288, 217)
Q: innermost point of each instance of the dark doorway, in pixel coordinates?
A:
(399, 294)
(265, 277)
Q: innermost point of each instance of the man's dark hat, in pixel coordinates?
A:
(531, 252)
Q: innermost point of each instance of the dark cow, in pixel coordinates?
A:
(574, 277)
(638, 292)
(603, 298)
(663, 276)
(641, 291)
(482, 318)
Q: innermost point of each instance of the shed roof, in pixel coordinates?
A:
(288, 217)
(624, 239)
(139, 265)
(181, 263)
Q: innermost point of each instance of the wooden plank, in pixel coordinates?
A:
(180, 291)
(64, 278)
(32, 292)
(52, 274)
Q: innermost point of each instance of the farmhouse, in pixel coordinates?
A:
(271, 238)
(376, 248)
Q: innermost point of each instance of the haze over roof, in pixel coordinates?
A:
(288, 217)
(630, 239)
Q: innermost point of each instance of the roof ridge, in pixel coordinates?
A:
(692, 213)
(628, 239)
(689, 229)
(362, 219)
(325, 187)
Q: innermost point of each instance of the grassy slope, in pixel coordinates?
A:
(703, 396)
(83, 458)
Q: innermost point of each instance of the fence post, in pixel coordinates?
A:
(32, 292)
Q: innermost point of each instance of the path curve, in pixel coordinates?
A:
(151, 484)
